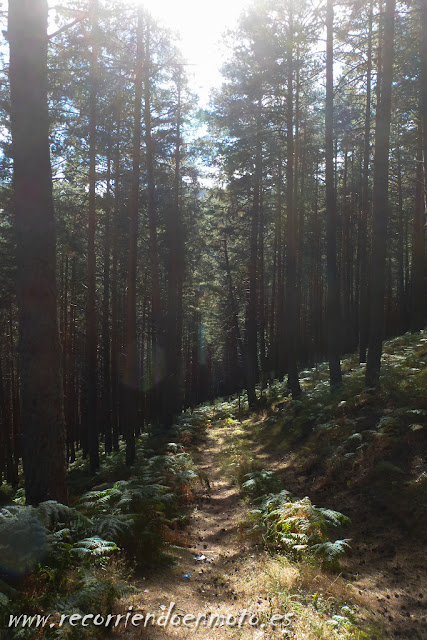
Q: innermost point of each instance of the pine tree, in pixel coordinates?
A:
(39, 347)
(381, 203)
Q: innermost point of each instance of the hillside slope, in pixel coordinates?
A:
(358, 451)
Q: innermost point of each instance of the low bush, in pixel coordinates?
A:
(298, 528)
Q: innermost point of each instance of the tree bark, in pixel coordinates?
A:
(291, 255)
(91, 376)
(173, 392)
(251, 310)
(131, 375)
(156, 302)
(381, 206)
(401, 291)
(418, 243)
(333, 303)
(39, 346)
(280, 333)
(106, 360)
(363, 235)
(423, 117)
(115, 349)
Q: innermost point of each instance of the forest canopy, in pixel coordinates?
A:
(156, 254)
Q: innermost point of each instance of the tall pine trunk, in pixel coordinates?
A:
(91, 376)
(423, 118)
(173, 392)
(418, 244)
(115, 348)
(39, 346)
(106, 382)
(401, 291)
(156, 301)
(280, 333)
(424, 82)
(363, 235)
(333, 301)
(131, 375)
(251, 310)
(291, 255)
(381, 207)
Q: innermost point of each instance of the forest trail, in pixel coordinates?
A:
(382, 580)
(230, 581)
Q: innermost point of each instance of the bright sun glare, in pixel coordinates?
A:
(201, 25)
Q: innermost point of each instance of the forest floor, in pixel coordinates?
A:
(345, 452)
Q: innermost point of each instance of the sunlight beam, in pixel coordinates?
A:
(201, 26)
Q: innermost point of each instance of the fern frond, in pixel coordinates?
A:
(113, 526)
(296, 525)
(53, 513)
(331, 517)
(260, 482)
(332, 551)
(94, 547)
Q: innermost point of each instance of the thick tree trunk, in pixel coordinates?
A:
(39, 346)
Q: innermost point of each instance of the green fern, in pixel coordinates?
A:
(53, 513)
(332, 551)
(332, 518)
(113, 527)
(93, 548)
(260, 482)
(126, 514)
(296, 526)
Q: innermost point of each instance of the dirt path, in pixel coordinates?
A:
(221, 583)
(233, 576)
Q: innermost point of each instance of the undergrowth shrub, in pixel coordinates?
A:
(260, 482)
(60, 557)
(298, 528)
(39, 548)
